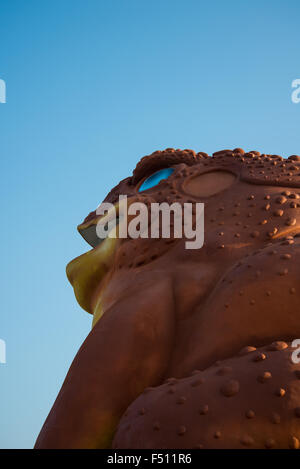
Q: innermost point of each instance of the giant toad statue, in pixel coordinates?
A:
(191, 348)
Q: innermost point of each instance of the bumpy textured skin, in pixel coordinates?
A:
(248, 401)
(169, 311)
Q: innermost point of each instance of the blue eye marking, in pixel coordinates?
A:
(155, 178)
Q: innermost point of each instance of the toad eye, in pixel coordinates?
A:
(155, 178)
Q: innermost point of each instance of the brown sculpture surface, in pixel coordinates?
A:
(191, 348)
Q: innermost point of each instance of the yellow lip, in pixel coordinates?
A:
(86, 272)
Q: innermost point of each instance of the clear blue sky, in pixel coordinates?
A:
(92, 86)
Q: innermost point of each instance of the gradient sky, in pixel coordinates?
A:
(92, 86)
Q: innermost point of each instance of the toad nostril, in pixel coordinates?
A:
(208, 184)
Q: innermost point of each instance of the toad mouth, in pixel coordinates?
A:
(87, 271)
